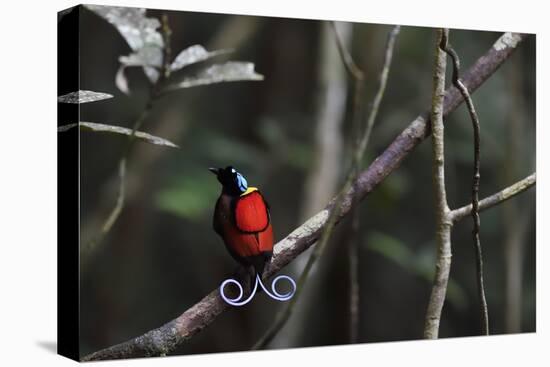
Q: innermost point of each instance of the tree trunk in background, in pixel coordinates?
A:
(516, 217)
(331, 110)
(325, 173)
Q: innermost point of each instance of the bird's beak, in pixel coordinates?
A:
(214, 170)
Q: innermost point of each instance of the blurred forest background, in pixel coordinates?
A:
(162, 255)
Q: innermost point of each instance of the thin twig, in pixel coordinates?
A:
(346, 57)
(121, 194)
(358, 78)
(123, 162)
(475, 184)
(383, 79)
(443, 222)
(201, 315)
(497, 198)
(362, 144)
(120, 198)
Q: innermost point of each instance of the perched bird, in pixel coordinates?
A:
(241, 218)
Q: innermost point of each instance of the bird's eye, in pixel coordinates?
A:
(233, 170)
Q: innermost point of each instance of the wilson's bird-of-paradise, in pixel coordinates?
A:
(241, 218)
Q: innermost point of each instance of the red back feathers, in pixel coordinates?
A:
(251, 214)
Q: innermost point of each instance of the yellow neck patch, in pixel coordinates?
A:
(249, 190)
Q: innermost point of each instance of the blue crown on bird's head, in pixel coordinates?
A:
(232, 181)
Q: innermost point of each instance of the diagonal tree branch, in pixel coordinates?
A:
(167, 337)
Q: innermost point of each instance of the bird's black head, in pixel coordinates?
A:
(232, 181)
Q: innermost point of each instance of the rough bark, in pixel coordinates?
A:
(442, 219)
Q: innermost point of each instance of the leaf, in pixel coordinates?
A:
(194, 54)
(83, 96)
(141, 35)
(150, 57)
(103, 128)
(228, 72)
(133, 25)
(145, 56)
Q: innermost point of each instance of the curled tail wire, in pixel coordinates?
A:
(238, 301)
